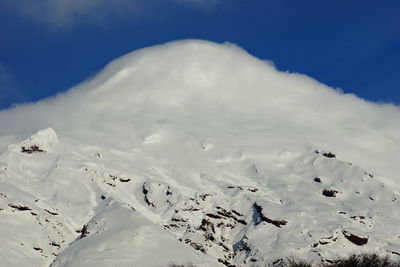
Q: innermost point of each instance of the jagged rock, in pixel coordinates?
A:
(329, 192)
(317, 180)
(258, 209)
(357, 240)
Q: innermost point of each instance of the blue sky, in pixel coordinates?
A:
(47, 46)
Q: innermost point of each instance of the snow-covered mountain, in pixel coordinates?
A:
(197, 152)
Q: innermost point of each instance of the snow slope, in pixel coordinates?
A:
(197, 152)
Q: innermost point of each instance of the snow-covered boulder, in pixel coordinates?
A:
(42, 141)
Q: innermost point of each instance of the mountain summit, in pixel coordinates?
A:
(197, 152)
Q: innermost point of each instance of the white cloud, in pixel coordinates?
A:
(197, 88)
(66, 13)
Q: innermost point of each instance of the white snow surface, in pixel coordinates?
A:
(197, 152)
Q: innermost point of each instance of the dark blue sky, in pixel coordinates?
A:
(46, 48)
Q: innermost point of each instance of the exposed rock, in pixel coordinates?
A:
(258, 209)
(329, 192)
(19, 207)
(31, 149)
(329, 155)
(359, 241)
(145, 191)
(84, 232)
(51, 212)
(317, 180)
(54, 244)
(38, 249)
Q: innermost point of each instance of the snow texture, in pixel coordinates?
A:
(197, 152)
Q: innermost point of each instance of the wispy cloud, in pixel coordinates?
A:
(9, 92)
(67, 13)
